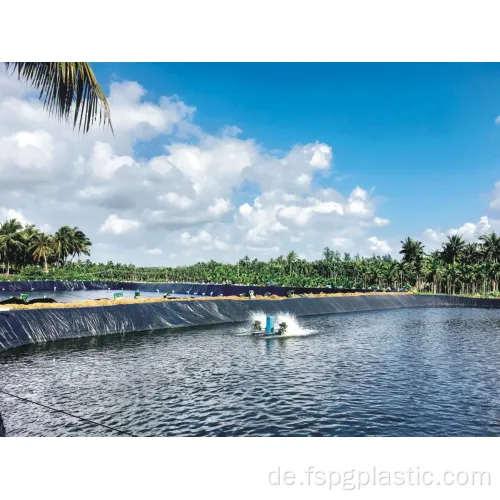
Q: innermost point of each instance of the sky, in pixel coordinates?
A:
(226, 160)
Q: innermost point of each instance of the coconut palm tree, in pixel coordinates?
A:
(412, 250)
(491, 250)
(491, 246)
(11, 241)
(451, 251)
(41, 247)
(69, 90)
(63, 242)
(291, 259)
(471, 253)
(79, 243)
(453, 248)
(24, 257)
(413, 254)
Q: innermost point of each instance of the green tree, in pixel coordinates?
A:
(11, 241)
(453, 248)
(41, 247)
(413, 255)
(63, 244)
(291, 259)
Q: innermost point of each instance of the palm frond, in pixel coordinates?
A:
(67, 88)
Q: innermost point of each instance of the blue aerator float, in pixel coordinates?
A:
(269, 324)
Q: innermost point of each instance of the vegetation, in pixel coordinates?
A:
(67, 89)
(459, 267)
(22, 247)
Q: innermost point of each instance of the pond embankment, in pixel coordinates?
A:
(22, 325)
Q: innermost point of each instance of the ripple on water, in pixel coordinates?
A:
(409, 372)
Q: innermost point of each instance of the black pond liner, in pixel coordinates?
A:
(180, 288)
(17, 300)
(21, 327)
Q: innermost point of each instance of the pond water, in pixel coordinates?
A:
(408, 372)
(79, 295)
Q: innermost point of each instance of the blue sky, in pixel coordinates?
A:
(422, 134)
(351, 156)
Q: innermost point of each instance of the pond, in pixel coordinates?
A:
(407, 372)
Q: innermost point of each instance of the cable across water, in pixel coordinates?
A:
(64, 412)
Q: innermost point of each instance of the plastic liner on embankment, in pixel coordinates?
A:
(178, 288)
(21, 327)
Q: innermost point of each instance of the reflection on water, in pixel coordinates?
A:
(394, 373)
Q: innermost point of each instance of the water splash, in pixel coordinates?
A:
(294, 328)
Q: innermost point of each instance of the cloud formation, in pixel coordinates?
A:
(187, 202)
(470, 231)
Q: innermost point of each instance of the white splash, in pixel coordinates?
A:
(293, 327)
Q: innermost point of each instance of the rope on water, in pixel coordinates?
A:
(64, 412)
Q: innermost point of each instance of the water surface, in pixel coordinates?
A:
(409, 372)
(80, 295)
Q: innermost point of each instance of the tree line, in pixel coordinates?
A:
(457, 267)
(24, 246)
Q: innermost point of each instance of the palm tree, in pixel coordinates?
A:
(291, 259)
(63, 244)
(328, 257)
(471, 253)
(11, 240)
(433, 269)
(453, 248)
(28, 233)
(491, 250)
(412, 250)
(413, 254)
(491, 246)
(79, 243)
(41, 248)
(390, 271)
(67, 88)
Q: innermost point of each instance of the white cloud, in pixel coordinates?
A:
(177, 200)
(245, 209)
(341, 243)
(113, 224)
(303, 179)
(359, 203)
(192, 191)
(381, 222)
(470, 231)
(28, 150)
(104, 163)
(201, 237)
(495, 197)
(379, 246)
(230, 131)
(10, 213)
(220, 207)
(131, 113)
(321, 156)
